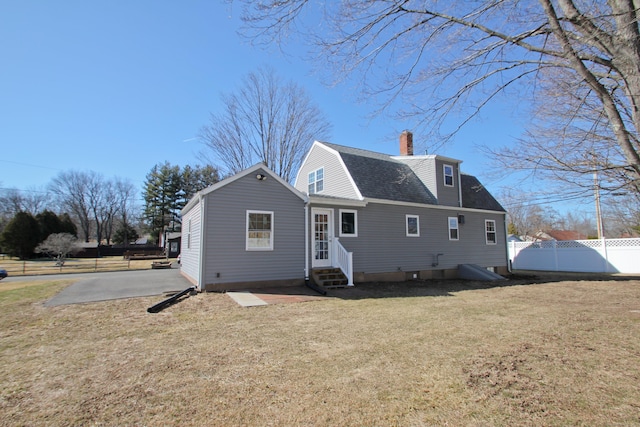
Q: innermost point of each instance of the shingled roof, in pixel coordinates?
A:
(476, 196)
(380, 176)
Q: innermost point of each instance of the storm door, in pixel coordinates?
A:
(322, 237)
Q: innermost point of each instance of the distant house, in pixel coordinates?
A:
(560, 235)
(173, 241)
(358, 214)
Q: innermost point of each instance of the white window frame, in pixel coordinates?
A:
(487, 231)
(406, 225)
(248, 245)
(445, 175)
(450, 228)
(189, 235)
(312, 183)
(355, 223)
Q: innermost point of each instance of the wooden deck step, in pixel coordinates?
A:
(329, 278)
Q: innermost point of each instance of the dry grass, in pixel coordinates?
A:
(443, 353)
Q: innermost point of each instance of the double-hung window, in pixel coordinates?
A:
(448, 175)
(259, 231)
(348, 223)
(316, 181)
(453, 228)
(412, 225)
(490, 231)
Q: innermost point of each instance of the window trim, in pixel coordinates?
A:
(406, 225)
(189, 235)
(445, 175)
(315, 181)
(355, 223)
(271, 231)
(457, 228)
(487, 232)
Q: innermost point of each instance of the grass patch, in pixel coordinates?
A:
(28, 292)
(437, 353)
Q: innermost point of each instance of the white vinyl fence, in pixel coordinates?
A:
(592, 256)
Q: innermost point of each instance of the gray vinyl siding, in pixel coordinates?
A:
(190, 250)
(336, 179)
(447, 196)
(227, 259)
(382, 245)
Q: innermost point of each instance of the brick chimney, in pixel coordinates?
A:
(406, 143)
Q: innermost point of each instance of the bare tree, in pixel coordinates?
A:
(72, 190)
(622, 216)
(90, 198)
(13, 201)
(59, 245)
(126, 207)
(528, 218)
(267, 121)
(440, 58)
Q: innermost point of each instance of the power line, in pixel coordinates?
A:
(24, 191)
(29, 164)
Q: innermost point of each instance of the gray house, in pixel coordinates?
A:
(244, 231)
(351, 216)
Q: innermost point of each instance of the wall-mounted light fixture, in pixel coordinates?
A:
(261, 177)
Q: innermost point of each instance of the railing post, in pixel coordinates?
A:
(343, 259)
(350, 272)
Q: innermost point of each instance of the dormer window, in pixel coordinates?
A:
(448, 175)
(316, 181)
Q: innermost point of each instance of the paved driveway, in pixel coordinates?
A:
(93, 287)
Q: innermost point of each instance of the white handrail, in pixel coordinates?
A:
(343, 260)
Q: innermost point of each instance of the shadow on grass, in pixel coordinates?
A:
(436, 288)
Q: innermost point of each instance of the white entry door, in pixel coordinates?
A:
(322, 237)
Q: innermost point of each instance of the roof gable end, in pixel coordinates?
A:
(255, 169)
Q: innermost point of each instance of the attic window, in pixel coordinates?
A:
(316, 181)
(448, 175)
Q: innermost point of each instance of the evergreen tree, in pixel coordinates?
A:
(167, 190)
(125, 234)
(48, 223)
(197, 178)
(21, 235)
(67, 225)
(162, 198)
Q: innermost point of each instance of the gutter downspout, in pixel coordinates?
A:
(506, 231)
(459, 187)
(203, 241)
(306, 242)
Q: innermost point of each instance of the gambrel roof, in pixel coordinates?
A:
(378, 176)
(385, 177)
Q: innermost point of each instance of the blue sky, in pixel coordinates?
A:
(117, 87)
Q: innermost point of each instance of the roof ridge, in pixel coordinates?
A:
(360, 151)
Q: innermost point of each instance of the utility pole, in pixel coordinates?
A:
(596, 189)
